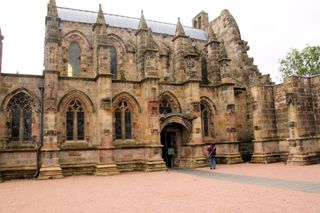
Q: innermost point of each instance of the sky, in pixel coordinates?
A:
(271, 27)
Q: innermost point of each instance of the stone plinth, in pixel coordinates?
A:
(106, 170)
(304, 151)
(265, 151)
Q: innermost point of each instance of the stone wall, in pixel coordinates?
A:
(246, 114)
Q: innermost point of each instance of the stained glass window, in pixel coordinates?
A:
(15, 124)
(74, 60)
(205, 120)
(118, 124)
(80, 125)
(128, 124)
(113, 61)
(75, 119)
(123, 129)
(69, 125)
(27, 124)
(20, 107)
(204, 71)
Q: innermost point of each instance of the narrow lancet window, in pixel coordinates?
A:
(205, 115)
(113, 62)
(204, 71)
(74, 60)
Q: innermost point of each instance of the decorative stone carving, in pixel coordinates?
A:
(105, 104)
(50, 105)
(196, 106)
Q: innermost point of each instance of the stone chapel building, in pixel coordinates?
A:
(123, 94)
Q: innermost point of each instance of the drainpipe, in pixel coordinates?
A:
(40, 143)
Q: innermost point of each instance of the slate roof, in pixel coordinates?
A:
(89, 17)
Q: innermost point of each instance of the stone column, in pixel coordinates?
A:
(192, 152)
(151, 119)
(106, 164)
(50, 166)
(227, 143)
(303, 145)
(266, 143)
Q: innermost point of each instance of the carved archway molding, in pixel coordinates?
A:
(178, 118)
(36, 100)
(182, 119)
(79, 95)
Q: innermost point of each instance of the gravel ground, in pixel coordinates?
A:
(164, 192)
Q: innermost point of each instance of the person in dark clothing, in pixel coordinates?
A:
(212, 156)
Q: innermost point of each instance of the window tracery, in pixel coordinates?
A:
(165, 107)
(20, 113)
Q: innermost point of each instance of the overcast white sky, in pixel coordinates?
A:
(271, 27)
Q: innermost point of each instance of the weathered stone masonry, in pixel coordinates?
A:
(124, 94)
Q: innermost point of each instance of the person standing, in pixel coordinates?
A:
(212, 156)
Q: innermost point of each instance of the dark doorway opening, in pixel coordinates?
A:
(171, 139)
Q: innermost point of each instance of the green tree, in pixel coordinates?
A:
(304, 63)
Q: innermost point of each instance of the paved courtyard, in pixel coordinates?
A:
(229, 188)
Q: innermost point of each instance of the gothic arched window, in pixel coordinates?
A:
(204, 71)
(113, 61)
(20, 109)
(75, 121)
(122, 116)
(205, 117)
(74, 60)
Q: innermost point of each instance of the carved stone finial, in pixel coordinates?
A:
(52, 9)
(100, 17)
(142, 24)
(179, 29)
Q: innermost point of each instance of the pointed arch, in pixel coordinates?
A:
(76, 94)
(113, 38)
(125, 113)
(7, 98)
(208, 102)
(81, 54)
(169, 100)
(21, 110)
(71, 36)
(129, 98)
(118, 50)
(208, 112)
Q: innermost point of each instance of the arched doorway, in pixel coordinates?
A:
(175, 131)
(172, 139)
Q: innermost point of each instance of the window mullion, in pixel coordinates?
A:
(75, 126)
(21, 123)
(123, 122)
